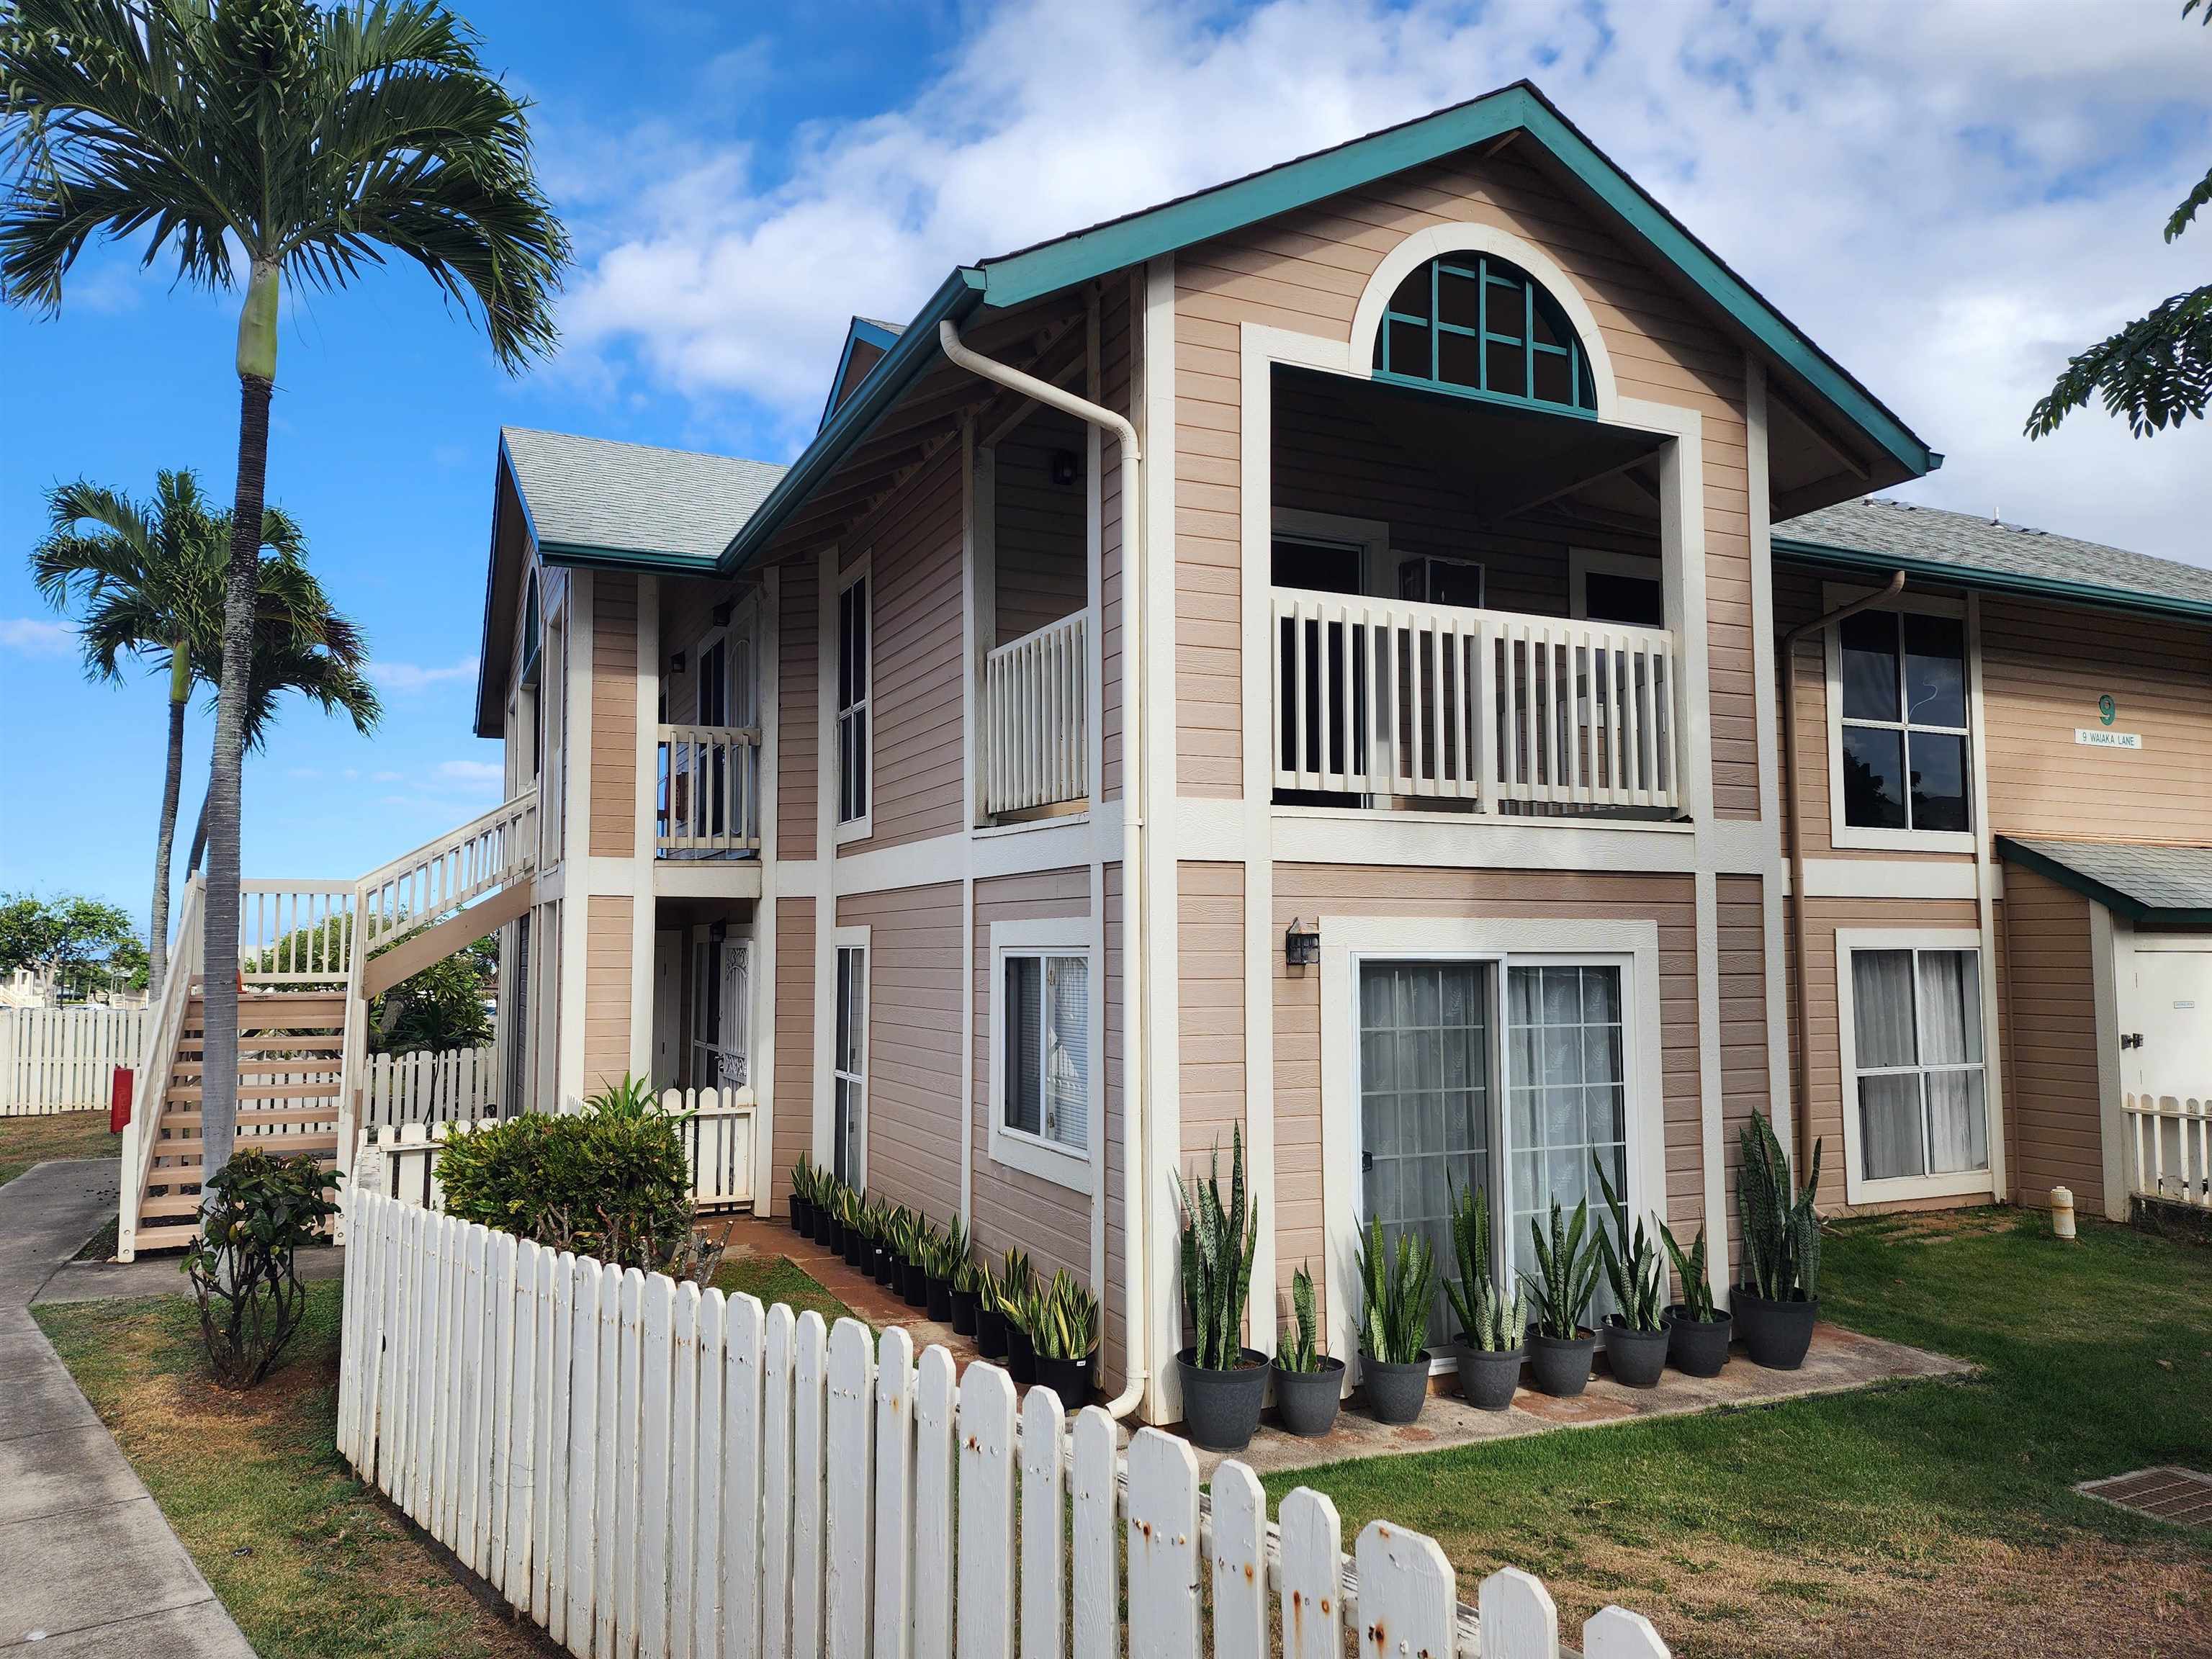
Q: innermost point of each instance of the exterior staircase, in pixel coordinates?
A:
(313, 956)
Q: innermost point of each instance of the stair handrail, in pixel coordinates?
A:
(491, 850)
(157, 1060)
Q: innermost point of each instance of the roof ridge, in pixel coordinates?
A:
(631, 443)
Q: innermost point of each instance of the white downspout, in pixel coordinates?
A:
(1136, 1178)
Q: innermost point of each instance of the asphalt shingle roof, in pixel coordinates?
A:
(1903, 530)
(634, 498)
(2144, 879)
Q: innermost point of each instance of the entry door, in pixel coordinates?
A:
(2172, 1005)
(736, 962)
(667, 1004)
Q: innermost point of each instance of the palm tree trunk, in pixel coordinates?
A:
(200, 839)
(164, 844)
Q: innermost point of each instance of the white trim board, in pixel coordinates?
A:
(1058, 936)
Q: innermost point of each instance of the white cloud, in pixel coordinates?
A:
(36, 636)
(468, 771)
(407, 677)
(1949, 198)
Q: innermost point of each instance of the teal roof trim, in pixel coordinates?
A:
(959, 294)
(1018, 277)
(1998, 581)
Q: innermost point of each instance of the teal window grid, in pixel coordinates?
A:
(1488, 274)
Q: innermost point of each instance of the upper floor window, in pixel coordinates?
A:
(1902, 732)
(1482, 325)
(854, 670)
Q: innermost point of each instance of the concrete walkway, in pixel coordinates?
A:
(88, 1565)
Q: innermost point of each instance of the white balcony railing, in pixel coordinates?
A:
(1037, 734)
(1381, 697)
(709, 790)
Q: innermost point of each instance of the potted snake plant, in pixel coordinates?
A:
(829, 1218)
(1636, 1335)
(1018, 1297)
(967, 1282)
(1309, 1383)
(1776, 1305)
(1397, 1291)
(947, 1250)
(879, 1221)
(1225, 1383)
(990, 1314)
(910, 1238)
(1066, 1335)
(1697, 1332)
(861, 1220)
(1493, 1326)
(801, 1214)
(1560, 1292)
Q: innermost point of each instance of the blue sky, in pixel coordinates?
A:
(1947, 198)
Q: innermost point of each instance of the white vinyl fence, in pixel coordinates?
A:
(642, 1469)
(2170, 1148)
(62, 1060)
(453, 1085)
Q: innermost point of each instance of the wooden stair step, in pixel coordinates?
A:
(327, 1090)
(187, 1119)
(185, 1155)
(194, 1046)
(197, 1065)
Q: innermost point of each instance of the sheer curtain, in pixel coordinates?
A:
(1951, 1036)
(1917, 1025)
(1883, 1035)
(1067, 1052)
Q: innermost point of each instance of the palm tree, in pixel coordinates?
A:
(150, 578)
(252, 139)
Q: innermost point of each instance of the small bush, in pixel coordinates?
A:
(244, 1262)
(610, 1182)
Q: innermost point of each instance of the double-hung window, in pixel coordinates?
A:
(1916, 1120)
(849, 1057)
(1042, 1063)
(1903, 755)
(855, 644)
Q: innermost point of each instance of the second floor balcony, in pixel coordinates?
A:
(707, 804)
(1037, 723)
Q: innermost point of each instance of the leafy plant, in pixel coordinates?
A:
(1567, 1266)
(949, 1250)
(244, 1259)
(1489, 1319)
(1397, 1292)
(973, 1278)
(1781, 1227)
(1016, 1283)
(1690, 1268)
(1299, 1350)
(804, 1183)
(1064, 1319)
(1632, 1266)
(1217, 1242)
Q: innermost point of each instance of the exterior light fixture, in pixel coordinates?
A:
(675, 662)
(724, 611)
(1063, 467)
(1302, 944)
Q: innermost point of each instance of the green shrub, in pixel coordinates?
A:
(244, 1259)
(610, 1182)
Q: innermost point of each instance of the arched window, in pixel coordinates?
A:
(1477, 323)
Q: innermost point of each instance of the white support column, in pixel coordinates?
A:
(643, 845)
(575, 836)
(825, 851)
(768, 700)
(1767, 702)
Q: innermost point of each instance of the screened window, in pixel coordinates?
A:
(1918, 1064)
(1903, 736)
(1485, 327)
(850, 1061)
(854, 669)
(1045, 1029)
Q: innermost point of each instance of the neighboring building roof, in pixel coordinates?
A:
(2171, 885)
(595, 498)
(1928, 540)
(1028, 274)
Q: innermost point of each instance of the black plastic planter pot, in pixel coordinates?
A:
(963, 1313)
(914, 1285)
(990, 1333)
(856, 1248)
(835, 1238)
(1776, 1334)
(885, 1267)
(1306, 1401)
(1396, 1393)
(940, 1299)
(1560, 1366)
(1021, 1355)
(801, 1216)
(1069, 1378)
(1220, 1409)
(1696, 1348)
(825, 1225)
(1488, 1378)
(1635, 1357)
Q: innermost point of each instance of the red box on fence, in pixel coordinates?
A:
(118, 1098)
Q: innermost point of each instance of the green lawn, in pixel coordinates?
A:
(776, 1278)
(27, 1140)
(1787, 1528)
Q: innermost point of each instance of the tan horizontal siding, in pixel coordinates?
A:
(2053, 1101)
(793, 1137)
(1745, 1080)
(1210, 997)
(798, 732)
(914, 1044)
(1117, 373)
(614, 782)
(1040, 540)
(607, 951)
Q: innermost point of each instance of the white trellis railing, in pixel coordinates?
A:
(2170, 1148)
(64, 1059)
(443, 876)
(709, 789)
(1036, 731)
(643, 1468)
(452, 1086)
(1386, 698)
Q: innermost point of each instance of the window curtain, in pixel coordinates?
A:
(1883, 1034)
(1025, 1044)
(1569, 1105)
(1066, 1082)
(1950, 995)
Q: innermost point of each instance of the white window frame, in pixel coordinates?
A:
(862, 569)
(843, 939)
(1348, 942)
(1582, 561)
(1017, 1149)
(1841, 833)
(1857, 1189)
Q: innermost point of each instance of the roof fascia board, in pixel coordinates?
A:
(914, 350)
(585, 556)
(2049, 587)
(1073, 259)
(2120, 904)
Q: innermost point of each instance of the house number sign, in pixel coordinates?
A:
(2102, 735)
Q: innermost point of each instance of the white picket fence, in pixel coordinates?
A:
(62, 1060)
(2170, 1148)
(452, 1086)
(644, 1469)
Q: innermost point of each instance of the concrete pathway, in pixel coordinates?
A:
(88, 1565)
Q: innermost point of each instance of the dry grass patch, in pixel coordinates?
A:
(27, 1140)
